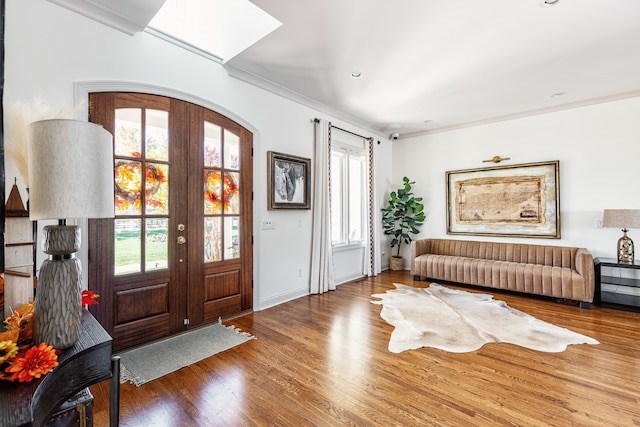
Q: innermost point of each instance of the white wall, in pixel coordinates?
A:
(49, 49)
(384, 185)
(599, 152)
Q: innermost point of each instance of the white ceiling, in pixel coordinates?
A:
(450, 62)
(454, 62)
(190, 21)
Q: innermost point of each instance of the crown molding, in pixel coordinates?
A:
(119, 14)
(183, 44)
(269, 86)
(536, 112)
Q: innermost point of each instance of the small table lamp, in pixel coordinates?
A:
(70, 176)
(625, 219)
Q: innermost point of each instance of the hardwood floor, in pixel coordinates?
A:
(323, 361)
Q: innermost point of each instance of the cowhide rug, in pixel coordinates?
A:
(459, 322)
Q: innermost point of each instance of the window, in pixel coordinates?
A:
(347, 193)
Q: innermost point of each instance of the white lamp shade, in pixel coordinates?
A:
(621, 218)
(70, 170)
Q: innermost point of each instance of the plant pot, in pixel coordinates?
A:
(396, 263)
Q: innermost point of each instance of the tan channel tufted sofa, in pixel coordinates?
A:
(553, 271)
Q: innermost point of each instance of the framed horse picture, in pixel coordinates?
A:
(288, 181)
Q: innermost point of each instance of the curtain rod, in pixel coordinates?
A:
(317, 120)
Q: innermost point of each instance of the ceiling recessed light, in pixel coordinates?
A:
(356, 74)
(428, 121)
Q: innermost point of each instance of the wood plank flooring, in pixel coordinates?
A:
(323, 361)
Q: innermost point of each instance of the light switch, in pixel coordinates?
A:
(267, 224)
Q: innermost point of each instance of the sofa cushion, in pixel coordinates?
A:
(555, 271)
(520, 277)
(557, 256)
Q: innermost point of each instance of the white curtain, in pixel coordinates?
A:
(322, 276)
(371, 260)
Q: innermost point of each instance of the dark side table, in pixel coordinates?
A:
(612, 289)
(88, 362)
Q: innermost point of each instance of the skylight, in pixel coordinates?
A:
(221, 28)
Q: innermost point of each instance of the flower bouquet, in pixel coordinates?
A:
(20, 358)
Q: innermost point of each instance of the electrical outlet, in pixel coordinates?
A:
(598, 223)
(299, 272)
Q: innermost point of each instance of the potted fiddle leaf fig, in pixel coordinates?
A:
(401, 218)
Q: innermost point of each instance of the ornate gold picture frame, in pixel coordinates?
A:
(519, 200)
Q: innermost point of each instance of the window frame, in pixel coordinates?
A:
(347, 152)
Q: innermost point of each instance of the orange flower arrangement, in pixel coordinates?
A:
(20, 359)
(37, 361)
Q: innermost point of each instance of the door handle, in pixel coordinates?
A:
(182, 240)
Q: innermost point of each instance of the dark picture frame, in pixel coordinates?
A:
(518, 200)
(288, 181)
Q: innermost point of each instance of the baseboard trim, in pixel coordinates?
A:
(281, 298)
(345, 279)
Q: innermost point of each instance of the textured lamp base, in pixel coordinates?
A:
(625, 249)
(58, 309)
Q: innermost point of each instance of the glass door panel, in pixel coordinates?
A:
(157, 189)
(157, 136)
(212, 239)
(157, 243)
(231, 150)
(212, 192)
(231, 193)
(221, 193)
(128, 184)
(141, 166)
(128, 130)
(231, 237)
(212, 145)
(128, 246)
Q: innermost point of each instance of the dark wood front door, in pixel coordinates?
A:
(179, 251)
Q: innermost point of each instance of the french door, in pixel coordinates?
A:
(179, 251)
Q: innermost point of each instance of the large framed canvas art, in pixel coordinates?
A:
(518, 200)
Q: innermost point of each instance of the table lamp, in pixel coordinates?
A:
(70, 176)
(625, 219)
